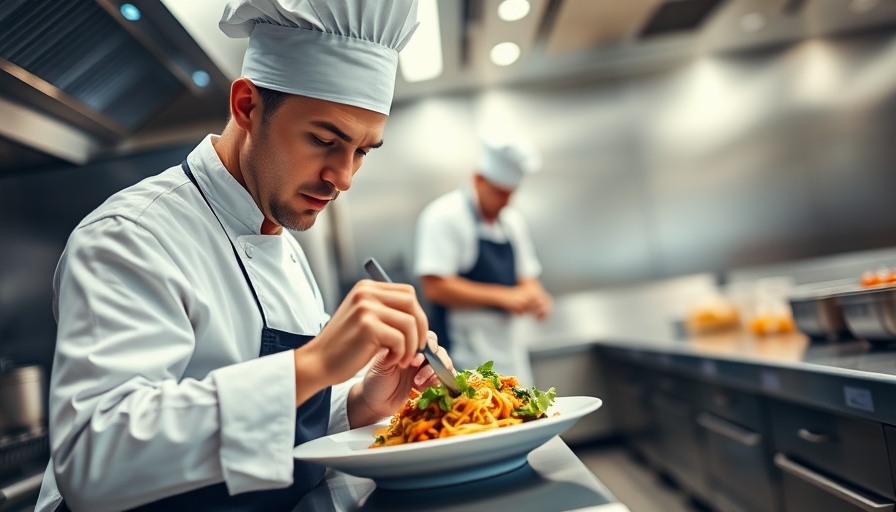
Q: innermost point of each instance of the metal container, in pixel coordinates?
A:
(21, 399)
(870, 313)
(817, 313)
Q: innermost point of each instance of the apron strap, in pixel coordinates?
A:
(186, 168)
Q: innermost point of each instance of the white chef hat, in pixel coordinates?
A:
(504, 162)
(342, 51)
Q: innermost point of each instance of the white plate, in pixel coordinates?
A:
(441, 462)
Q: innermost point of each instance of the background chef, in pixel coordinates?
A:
(193, 349)
(477, 264)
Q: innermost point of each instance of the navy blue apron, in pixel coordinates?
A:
(312, 419)
(495, 264)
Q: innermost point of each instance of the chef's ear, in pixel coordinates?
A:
(244, 99)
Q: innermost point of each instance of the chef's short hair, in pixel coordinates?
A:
(270, 102)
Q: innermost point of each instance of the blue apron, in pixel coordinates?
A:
(495, 264)
(312, 419)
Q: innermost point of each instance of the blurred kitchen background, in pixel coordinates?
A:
(702, 142)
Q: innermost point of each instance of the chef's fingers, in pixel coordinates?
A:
(433, 340)
(545, 305)
(424, 376)
(517, 300)
(443, 355)
(397, 332)
(403, 298)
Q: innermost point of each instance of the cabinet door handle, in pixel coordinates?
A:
(812, 437)
(729, 430)
(855, 498)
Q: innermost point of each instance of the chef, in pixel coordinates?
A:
(193, 349)
(477, 265)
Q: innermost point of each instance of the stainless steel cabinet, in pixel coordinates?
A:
(628, 389)
(576, 372)
(742, 449)
(738, 451)
(739, 472)
(851, 450)
(674, 402)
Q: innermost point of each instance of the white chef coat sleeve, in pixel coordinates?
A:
(439, 242)
(527, 264)
(125, 428)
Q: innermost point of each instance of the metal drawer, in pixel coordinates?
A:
(735, 406)
(852, 449)
(678, 387)
(738, 466)
(805, 489)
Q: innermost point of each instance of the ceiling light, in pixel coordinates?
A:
(421, 59)
(752, 22)
(512, 10)
(201, 78)
(860, 6)
(505, 54)
(130, 12)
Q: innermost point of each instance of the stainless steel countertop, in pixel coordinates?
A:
(553, 480)
(854, 358)
(854, 378)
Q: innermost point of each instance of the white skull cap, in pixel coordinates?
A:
(504, 162)
(343, 51)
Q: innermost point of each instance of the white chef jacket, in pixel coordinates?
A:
(447, 244)
(448, 235)
(157, 388)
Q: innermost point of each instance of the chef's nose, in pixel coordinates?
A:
(339, 170)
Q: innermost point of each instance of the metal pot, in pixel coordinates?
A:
(21, 398)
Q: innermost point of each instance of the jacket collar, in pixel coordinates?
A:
(227, 196)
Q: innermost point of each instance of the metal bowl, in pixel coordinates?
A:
(817, 313)
(870, 313)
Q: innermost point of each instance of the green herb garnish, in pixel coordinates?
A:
(432, 394)
(487, 371)
(465, 388)
(538, 403)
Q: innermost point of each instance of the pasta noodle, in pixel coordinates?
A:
(487, 401)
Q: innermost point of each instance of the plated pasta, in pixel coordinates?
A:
(487, 401)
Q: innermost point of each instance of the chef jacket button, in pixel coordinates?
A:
(250, 251)
(293, 256)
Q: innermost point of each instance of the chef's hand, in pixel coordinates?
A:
(539, 302)
(517, 300)
(542, 306)
(375, 319)
(528, 297)
(385, 387)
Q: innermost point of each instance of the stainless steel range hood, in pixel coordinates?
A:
(82, 76)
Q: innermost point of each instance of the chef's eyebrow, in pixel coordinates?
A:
(339, 133)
